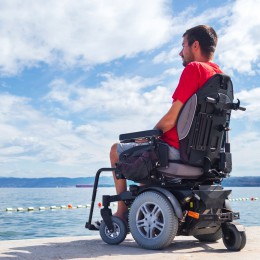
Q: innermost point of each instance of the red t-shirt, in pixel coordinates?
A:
(192, 79)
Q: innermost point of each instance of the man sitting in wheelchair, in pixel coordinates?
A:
(198, 47)
(182, 161)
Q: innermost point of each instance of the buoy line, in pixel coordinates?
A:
(99, 205)
(244, 199)
(42, 208)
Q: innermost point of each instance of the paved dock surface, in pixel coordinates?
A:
(84, 247)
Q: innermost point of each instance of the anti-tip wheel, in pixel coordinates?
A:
(233, 239)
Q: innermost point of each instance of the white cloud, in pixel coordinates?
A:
(168, 57)
(238, 27)
(185, 20)
(245, 154)
(84, 33)
(239, 46)
(73, 133)
(250, 100)
(173, 71)
(245, 139)
(116, 96)
(78, 33)
(28, 136)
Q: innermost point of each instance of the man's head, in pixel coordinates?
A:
(199, 44)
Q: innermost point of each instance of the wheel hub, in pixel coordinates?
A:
(150, 220)
(114, 234)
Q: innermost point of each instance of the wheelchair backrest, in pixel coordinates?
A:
(202, 125)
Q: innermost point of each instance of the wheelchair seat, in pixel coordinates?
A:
(202, 127)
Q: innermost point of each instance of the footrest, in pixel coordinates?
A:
(90, 226)
(229, 216)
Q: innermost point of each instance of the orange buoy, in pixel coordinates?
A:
(69, 206)
(99, 204)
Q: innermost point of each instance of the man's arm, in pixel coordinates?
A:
(169, 120)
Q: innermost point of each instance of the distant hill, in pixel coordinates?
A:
(52, 182)
(6, 182)
(249, 181)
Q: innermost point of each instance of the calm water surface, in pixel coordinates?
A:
(71, 222)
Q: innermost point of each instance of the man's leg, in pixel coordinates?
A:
(119, 184)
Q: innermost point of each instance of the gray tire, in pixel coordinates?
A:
(116, 237)
(152, 220)
(210, 237)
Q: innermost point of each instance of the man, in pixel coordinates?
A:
(197, 54)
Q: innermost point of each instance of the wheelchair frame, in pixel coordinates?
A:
(160, 210)
(200, 206)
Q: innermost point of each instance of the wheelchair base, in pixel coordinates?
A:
(159, 213)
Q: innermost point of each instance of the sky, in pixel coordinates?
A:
(76, 74)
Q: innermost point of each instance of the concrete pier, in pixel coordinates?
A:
(83, 247)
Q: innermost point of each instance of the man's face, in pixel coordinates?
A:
(186, 52)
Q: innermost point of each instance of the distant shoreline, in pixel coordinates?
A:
(104, 181)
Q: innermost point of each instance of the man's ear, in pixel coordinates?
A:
(196, 45)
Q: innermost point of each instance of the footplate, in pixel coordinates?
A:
(229, 216)
(90, 226)
(222, 217)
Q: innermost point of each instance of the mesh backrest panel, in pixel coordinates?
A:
(186, 117)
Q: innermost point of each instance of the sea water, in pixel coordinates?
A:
(68, 221)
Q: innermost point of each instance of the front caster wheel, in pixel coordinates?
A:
(233, 239)
(115, 237)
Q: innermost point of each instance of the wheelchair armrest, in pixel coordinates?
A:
(148, 134)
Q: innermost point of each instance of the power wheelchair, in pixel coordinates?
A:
(181, 197)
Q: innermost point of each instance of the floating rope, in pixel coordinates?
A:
(99, 204)
(42, 208)
(244, 199)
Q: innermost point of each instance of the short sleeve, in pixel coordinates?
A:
(188, 84)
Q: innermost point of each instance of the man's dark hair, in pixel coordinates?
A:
(206, 36)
